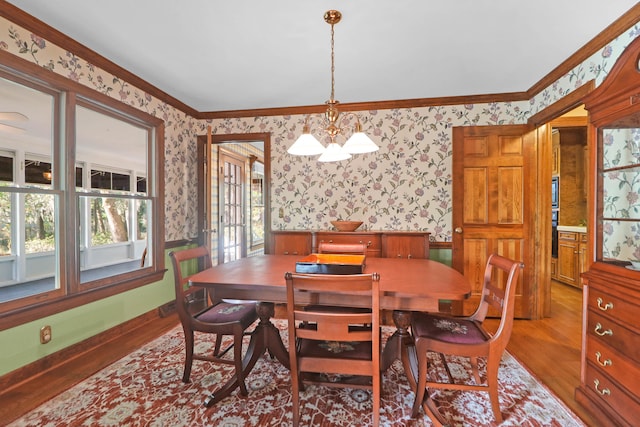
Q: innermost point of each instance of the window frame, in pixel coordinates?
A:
(68, 94)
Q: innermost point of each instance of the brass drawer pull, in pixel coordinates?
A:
(607, 362)
(603, 392)
(607, 306)
(598, 331)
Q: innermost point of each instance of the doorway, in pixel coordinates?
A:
(234, 203)
(570, 173)
(232, 222)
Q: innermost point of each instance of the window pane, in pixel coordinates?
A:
(109, 220)
(26, 123)
(6, 168)
(621, 147)
(39, 223)
(35, 271)
(117, 149)
(5, 223)
(620, 240)
(111, 250)
(621, 193)
(37, 172)
(142, 218)
(29, 263)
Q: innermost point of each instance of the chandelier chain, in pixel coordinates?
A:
(333, 68)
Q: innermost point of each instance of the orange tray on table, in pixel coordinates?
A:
(331, 264)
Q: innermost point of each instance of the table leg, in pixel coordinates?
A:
(396, 346)
(265, 337)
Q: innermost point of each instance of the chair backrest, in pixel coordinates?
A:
(499, 291)
(186, 263)
(342, 248)
(331, 325)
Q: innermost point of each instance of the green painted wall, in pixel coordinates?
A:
(442, 255)
(21, 345)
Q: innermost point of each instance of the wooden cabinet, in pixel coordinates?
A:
(405, 245)
(388, 244)
(610, 376)
(571, 263)
(291, 242)
(371, 239)
(611, 355)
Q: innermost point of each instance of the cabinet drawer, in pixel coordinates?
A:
(601, 388)
(613, 363)
(613, 307)
(614, 335)
(568, 235)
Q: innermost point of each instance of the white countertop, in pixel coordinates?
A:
(575, 228)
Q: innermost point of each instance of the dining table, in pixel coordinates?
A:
(406, 285)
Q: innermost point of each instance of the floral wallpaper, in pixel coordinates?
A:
(406, 185)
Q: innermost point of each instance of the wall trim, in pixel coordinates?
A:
(64, 359)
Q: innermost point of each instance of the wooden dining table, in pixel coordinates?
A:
(406, 285)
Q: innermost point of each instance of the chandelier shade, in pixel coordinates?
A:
(358, 142)
(334, 153)
(306, 145)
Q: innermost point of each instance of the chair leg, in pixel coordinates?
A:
(375, 395)
(295, 400)
(216, 348)
(188, 361)
(237, 357)
(474, 368)
(492, 383)
(421, 381)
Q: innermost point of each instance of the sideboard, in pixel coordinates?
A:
(388, 244)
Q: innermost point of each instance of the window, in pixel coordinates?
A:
(77, 209)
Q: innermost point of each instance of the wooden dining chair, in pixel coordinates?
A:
(342, 248)
(220, 318)
(337, 344)
(465, 336)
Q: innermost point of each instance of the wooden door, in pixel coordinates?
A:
(493, 201)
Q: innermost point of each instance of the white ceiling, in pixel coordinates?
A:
(219, 55)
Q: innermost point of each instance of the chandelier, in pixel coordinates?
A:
(308, 145)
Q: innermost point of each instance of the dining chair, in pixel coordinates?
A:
(342, 248)
(219, 318)
(329, 348)
(466, 337)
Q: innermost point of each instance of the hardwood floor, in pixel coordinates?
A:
(550, 348)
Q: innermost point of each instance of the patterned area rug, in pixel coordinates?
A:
(145, 389)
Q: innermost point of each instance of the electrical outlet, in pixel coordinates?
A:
(281, 212)
(45, 334)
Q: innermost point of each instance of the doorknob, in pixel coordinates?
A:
(458, 230)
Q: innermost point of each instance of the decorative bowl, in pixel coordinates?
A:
(346, 225)
(636, 265)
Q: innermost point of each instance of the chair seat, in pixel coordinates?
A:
(447, 329)
(225, 312)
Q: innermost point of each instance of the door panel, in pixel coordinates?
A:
(492, 205)
(232, 243)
